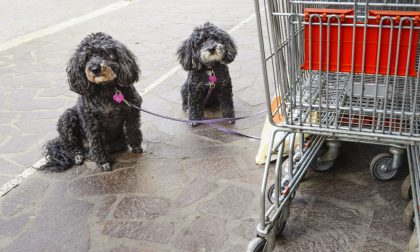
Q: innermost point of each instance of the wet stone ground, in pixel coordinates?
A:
(199, 194)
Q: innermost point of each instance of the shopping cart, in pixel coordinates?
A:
(337, 71)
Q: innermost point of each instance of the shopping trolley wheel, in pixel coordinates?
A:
(408, 217)
(381, 167)
(270, 194)
(406, 189)
(319, 165)
(284, 215)
(256, 245)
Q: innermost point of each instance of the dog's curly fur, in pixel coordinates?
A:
(97, 126)
(207, 49)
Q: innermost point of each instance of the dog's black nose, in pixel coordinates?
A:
(212, 49)
(96, 69)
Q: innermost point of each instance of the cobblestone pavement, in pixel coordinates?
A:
(192, 189)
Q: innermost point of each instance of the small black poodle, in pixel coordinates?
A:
(205, 55)
(98, 125)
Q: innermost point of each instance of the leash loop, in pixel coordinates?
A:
(210, 122)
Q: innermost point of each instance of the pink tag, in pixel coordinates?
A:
(212, 78)
(118, 97)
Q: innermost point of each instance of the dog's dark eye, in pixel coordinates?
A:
(198, 43)
(86, 56)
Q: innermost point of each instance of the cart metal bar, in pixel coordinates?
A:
(278, 174)
(266, 223)
(375, 138)
(265, 177)
(352, 3)
(347, 25)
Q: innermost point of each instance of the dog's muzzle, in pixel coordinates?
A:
(100, 73)
(211, 53)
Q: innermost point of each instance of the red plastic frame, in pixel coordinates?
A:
(371, 51)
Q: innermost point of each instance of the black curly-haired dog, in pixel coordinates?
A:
(207, 52)
(97, 125)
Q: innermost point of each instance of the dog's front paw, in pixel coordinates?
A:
(78, 159)
(106, 167)
(138, 149)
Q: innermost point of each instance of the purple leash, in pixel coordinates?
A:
(208, 94)
(232, 132)
(206, 121)
(119, 97)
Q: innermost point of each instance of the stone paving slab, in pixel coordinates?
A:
(193, 189)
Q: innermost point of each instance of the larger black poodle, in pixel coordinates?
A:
(97, 125)
(205, 55)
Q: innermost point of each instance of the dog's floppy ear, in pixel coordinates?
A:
(230, 48)
(187, 55)
(76, 75)
(129, 70)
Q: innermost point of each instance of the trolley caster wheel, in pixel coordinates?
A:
(319, 165)
(406, 189)
(381, 167)
(281, 224)
(256, 245)
(270, 194)
(408, 217)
